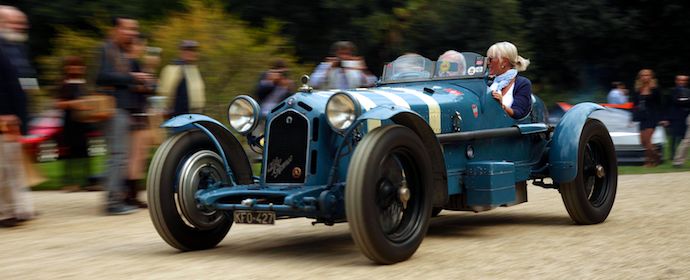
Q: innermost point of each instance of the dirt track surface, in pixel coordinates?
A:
(647, 236)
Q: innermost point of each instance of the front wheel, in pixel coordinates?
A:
(182, 165)
(387, 197)
(589, 198)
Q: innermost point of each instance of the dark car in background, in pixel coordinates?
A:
(624, 132)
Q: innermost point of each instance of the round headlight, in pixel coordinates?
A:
(341, 111)
(243, 114)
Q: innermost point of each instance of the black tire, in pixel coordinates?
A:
(172, 181)
(589, 198)
(388, 160)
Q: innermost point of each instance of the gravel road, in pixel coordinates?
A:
(647, 236)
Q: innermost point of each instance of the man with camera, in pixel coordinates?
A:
(273, 87)
(343, 70)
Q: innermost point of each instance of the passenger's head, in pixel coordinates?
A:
(503, 56)
(124, 31)
(451, 63)
(344, 50)
(681, 80)
(13, 24)
(645, 78)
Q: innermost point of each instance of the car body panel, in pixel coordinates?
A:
(566, 140)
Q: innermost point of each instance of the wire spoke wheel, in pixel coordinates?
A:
(590, 196)
(387, 201)
(181, 166)
(200, 170)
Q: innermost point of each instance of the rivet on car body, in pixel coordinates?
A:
(469, 152)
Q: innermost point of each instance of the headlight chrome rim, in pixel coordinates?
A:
(342, 110)
(243, 114)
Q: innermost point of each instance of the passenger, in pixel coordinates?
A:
(513, 92)
(451, 64)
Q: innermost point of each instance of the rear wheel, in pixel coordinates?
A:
(589, 198)
(182, 165)
(387, 199)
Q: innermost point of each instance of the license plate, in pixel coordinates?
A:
(254, 217)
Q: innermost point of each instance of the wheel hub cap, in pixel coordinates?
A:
(404, 195)
(600, 172)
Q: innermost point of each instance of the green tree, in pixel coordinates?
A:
(232, 54)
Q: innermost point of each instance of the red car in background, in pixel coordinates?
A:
(44, 132)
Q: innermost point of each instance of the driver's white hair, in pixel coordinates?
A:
(507, 50)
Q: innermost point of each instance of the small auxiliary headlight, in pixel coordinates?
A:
(243, 114)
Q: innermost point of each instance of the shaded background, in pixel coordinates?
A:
(576, 47)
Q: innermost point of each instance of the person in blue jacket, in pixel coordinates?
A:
(512, 91)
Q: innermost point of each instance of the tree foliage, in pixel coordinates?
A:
(575, 46)
(233, 55)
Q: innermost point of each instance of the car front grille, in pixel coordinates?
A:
(286, 150)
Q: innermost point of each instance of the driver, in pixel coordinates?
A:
(512, 91)
(451, 64)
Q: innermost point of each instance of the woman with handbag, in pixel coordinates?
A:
(74, 137)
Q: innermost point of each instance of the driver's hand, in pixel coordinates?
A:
(498, 96)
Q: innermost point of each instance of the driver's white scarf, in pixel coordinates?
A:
(503, 80)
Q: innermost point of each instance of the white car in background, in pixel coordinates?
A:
(624, 132)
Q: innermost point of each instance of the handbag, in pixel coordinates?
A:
(94, 107)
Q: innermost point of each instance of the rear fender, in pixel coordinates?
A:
(416, 123)
(564, 145)
(234, 158)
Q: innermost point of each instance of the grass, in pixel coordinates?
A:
(666, 167)
(53, 170)
(662, 168)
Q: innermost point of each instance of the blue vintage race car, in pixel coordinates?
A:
(384, 159)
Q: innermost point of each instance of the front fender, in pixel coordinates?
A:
(565, 143)
(412, 120)
(185, 122)
(230, 148)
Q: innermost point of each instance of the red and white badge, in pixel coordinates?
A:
(475, 111)
(453, 91)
